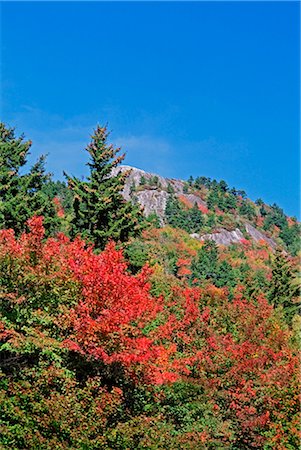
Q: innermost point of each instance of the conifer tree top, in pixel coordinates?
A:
(100, 211)
(103, 155)
(13, 151)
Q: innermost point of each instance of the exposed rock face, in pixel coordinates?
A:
(134, 178)
(222, 236)
(153, 199)
(225, 237)
(195, 199)
(257, 235)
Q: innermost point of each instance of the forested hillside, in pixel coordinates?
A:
(138, 312)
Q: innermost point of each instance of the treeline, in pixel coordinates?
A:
(93, 208)
(94, 357)
(162, 342)
(227, 202)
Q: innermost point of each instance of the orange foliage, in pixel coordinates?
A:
(184, 200)
(58, 206)
(259, 221)
(237, 350)
(203, 209)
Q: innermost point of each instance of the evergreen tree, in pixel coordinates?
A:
(21, 195)
(170, 189)
(226, 275)
(205, 264)
(241, 193)
(185, 188)
(229, 202)
(190, 180)
(259, 202)
(247, 209)
(153, 219)
(211, 220)
(291, 237)
(154, 181)
(190, 220)
(276, 217)
(100, 212)
(212, 199)
(199, 182)
(221, 202)
(284, 291)
(195, 219)
(223, 186)
(173, 211)
(262, 210)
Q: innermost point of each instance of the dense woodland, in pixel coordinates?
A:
(119, 333)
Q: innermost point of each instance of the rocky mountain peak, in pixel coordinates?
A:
(152, 192)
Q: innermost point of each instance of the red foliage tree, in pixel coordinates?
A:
(239, 352)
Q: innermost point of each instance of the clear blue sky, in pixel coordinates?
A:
(186, 88)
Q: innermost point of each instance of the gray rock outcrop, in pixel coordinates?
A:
(223, 237)
(153, 199)
(257, 235)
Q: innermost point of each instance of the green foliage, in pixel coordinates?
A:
(132, 188)
(154, 181)
(137, 255)
(259, 202)
(211, 220)
(170, 189)
(190, 220)
(229, 202)
(22, 194)
(100, 212)
(290, 235)
(212, 200)
(275, 216)
(284, 291)
(190, 180)
(204, 266)
(60, 190)
(247, 209)
(223, 186)
(226, 275)
(153, 220)
(185, 188)
(100, 351)
(81, 339)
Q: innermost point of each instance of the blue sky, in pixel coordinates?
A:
(187, 88)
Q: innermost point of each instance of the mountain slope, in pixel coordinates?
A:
(161, 341)
(227, 215)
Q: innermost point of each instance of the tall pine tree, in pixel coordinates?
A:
(100, 212)
(21, 194)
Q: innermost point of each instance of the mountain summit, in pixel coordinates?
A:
(222, 214)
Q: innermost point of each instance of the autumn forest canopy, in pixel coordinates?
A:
(126, 330)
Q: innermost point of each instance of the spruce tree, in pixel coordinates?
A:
(205, 265)
(21, 195)
(195, 219)
(284, 290)
(100, 212)
(174, 212)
